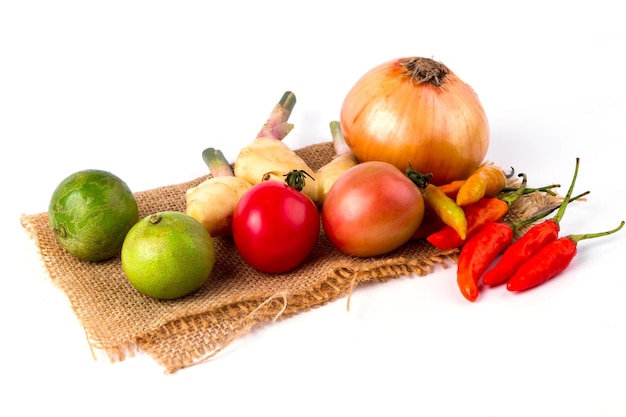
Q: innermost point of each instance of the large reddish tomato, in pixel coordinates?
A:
(372, 209)
(275, 227)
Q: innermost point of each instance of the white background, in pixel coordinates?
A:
(141, 88)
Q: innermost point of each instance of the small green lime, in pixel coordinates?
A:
(90, 212)
(168, 255)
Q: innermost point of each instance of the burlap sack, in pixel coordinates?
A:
(120, 321)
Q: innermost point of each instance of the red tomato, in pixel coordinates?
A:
(275, 227)
(372, 209)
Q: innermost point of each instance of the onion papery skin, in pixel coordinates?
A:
(439, 129)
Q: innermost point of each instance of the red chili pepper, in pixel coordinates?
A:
(477, 215)
(430, 224)
(531, 242)
(550, 261)
(478, 253)
(483, 247)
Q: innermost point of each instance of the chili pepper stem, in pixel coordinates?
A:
(546, 189)
(516, 226)
(520, 191)
(579, 237)
(559, 214)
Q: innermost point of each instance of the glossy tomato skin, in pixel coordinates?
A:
(372, 209)
(275, 227)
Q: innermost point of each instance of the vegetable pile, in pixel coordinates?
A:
(409, 164)
(373, 203)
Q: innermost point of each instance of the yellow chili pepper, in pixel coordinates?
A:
(439, 203)
(487, 181)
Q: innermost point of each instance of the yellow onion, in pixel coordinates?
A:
(416, 112)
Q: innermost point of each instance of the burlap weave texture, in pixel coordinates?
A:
(179, 333)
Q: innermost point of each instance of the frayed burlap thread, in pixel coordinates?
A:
(120, 321)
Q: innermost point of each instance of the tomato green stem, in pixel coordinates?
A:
(419, 179)
(296, 179)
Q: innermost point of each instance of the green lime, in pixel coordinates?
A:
(90, 213)
(168, 255)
